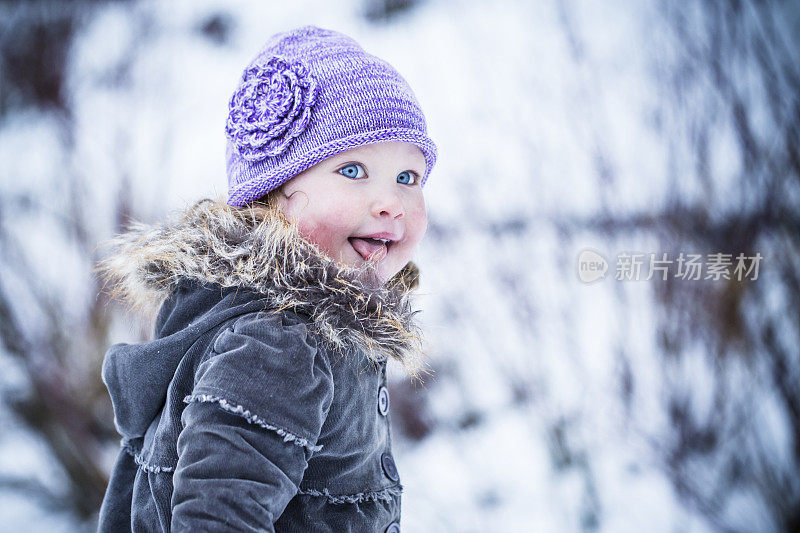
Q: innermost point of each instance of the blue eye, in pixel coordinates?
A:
(353, 170)
(406, 175)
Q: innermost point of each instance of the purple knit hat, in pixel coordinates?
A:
(309, 94)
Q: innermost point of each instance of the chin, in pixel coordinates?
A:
(385, 272)
(385, 269)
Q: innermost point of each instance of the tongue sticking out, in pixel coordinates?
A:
(370, 249)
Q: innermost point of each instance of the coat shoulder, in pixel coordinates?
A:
(266, 367)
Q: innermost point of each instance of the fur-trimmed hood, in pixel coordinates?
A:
(259, 249)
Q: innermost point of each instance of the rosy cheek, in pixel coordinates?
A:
(323, 235)
(420, 220)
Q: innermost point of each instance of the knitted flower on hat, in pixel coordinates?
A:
(271, 107)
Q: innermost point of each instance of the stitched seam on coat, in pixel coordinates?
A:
(144, 465)
(251, 418)
(385, 495)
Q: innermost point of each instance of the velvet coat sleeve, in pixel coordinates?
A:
(260, 397)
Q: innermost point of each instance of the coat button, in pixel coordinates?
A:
(394, 527)
(388, 466)
(383, 401)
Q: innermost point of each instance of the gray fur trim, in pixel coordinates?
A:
(144, 465)
(260, 250)
(252, 419)
(385, 495)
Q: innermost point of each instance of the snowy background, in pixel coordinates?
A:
(555, 405)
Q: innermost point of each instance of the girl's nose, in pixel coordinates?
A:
(388, 203)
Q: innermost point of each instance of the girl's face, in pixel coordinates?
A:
(372, 190)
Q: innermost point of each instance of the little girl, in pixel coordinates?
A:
(261, 403)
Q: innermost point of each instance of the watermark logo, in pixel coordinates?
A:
(591, 266)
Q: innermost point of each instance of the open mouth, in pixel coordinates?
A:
(370, 249)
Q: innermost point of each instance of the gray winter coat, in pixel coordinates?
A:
(261, 402)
